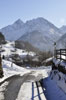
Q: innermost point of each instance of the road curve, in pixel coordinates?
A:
(14, 84)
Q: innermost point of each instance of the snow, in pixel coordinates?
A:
(10, 49)
(52, 91)
(59, 78)
(26, 88)
(49, 59)
(29, 90)
(63, 64)
(56, 62)
(11, 69)
(25, 95)
(54, 86)
(2, 88)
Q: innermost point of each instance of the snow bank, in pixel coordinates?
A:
(11, 69)
(59, 78)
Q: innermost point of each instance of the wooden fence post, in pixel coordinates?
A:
(65, 54)
(56, 54)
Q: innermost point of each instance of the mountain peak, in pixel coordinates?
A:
(19, 21)
(18, 24)
(41, 18)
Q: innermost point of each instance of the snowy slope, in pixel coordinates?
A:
(9, 49)
(10, 69)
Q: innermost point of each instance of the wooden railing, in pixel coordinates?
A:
(60, 54)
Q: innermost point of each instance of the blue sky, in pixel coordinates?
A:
(52, 10)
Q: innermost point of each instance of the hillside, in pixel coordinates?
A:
(26, 46)
(37, 39)
(61, 43)
(63, 29)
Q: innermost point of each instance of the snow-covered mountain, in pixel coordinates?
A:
(13, 32)
(39, 32)
(19, 28)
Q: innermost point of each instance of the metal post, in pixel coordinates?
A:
(55, 49)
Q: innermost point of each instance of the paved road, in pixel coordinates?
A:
(13, 87)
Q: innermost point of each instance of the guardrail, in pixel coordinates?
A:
(60, 54)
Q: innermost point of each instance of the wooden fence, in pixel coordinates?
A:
(60, 54)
